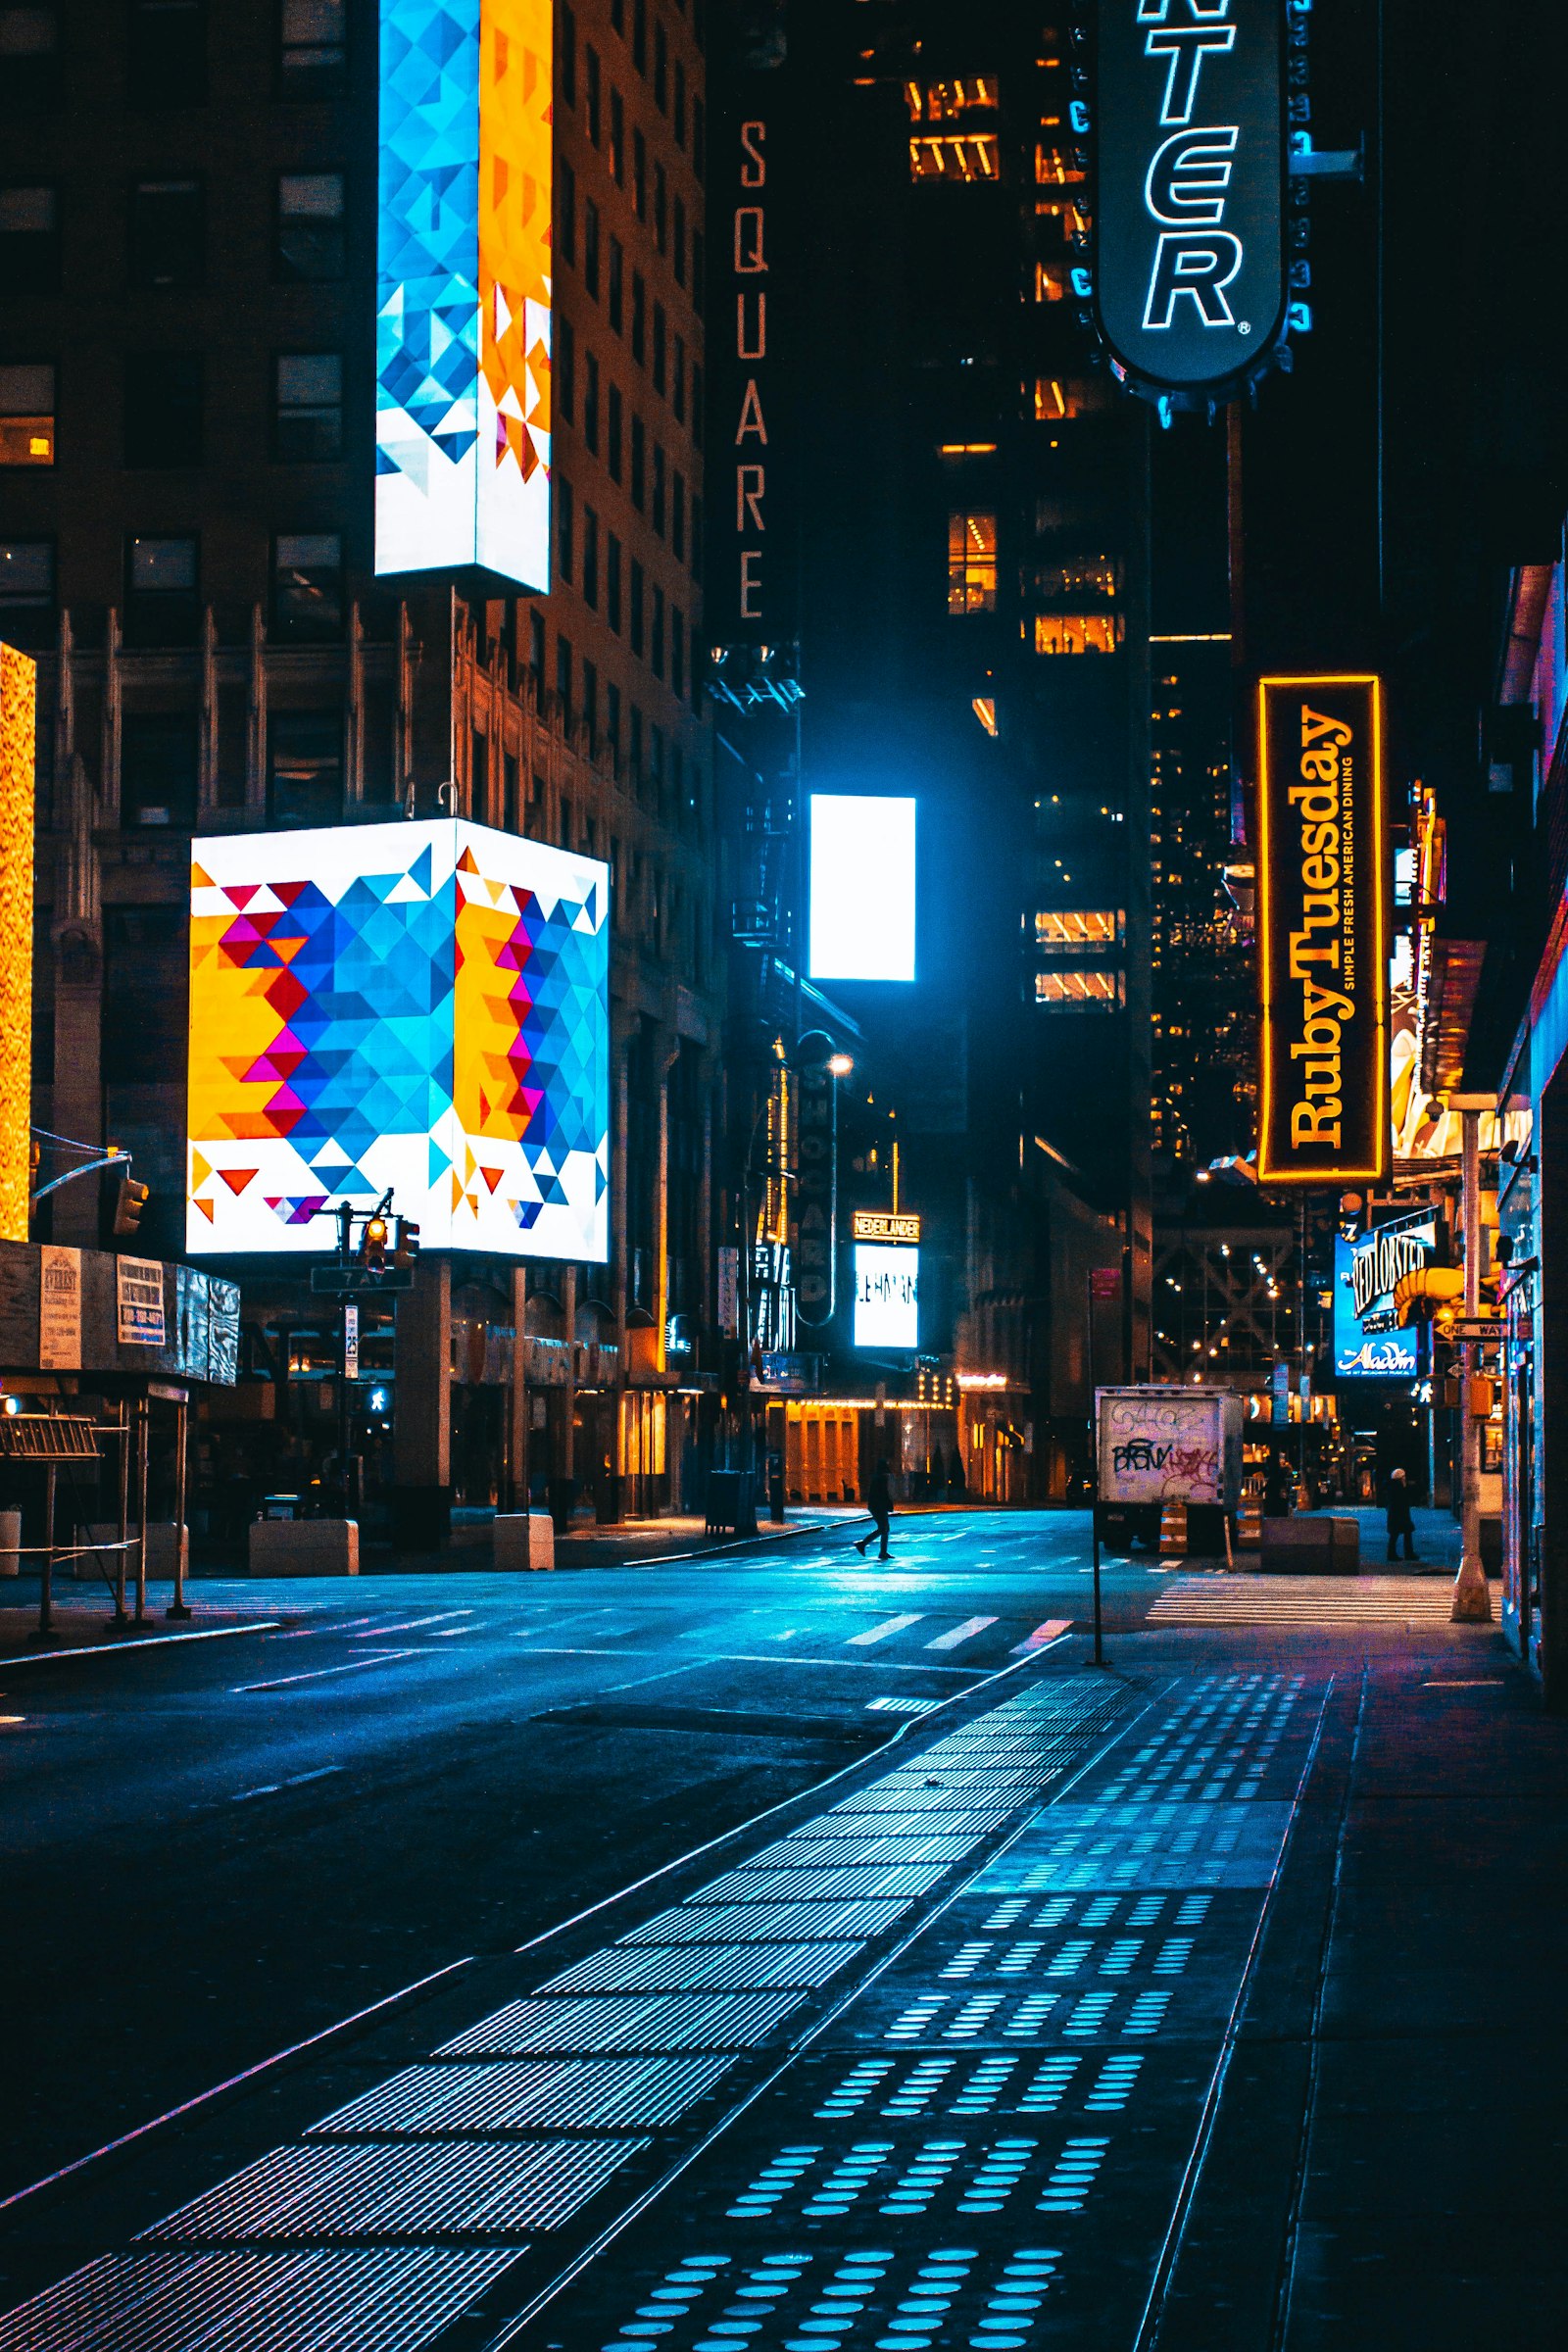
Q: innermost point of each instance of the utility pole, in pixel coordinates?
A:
(1472, 1601)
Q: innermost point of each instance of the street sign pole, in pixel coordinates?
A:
(1094, 1518)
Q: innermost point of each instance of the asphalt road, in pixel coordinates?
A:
(214, 1849)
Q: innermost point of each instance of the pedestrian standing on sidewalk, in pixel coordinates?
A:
(1279, 1490)
(1401, 1520)
(879, 1503)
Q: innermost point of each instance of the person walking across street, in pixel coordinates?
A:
(879, 1503)
(1401, 1519)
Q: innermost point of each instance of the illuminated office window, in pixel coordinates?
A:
(312, 47)
(1051, 283)
(26, 415)
(1056, 167)
(1059, 931)
(1100, 991)
(947, 100)
(1059, 398)
(1078, 632)
(971, 563)
(959, 155)
(1080, 576)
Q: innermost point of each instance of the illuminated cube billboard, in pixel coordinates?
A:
(887, 1295)
(863, 886)
(462, 288)
(424, 1006)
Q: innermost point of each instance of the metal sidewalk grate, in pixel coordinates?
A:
(657, 2022)
(383, 2301)
(867, 1881)
(768, 1922)
(410, 2193)
(729, 1968)
(565, 2095)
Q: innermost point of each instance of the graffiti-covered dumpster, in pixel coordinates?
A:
(1167, 1444)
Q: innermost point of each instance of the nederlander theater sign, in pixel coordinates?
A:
(1322, 931)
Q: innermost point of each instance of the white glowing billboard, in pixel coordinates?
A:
(423, 1006)
(887, 1295)
(863, 886)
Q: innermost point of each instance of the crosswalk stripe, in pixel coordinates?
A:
(960, 1633)
(1049, 1632)
(1260, 1600)
(880, 1633)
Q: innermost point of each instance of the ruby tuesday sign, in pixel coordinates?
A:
(1190, 274)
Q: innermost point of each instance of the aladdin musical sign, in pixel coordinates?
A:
(1322, 931)
(1190, 271)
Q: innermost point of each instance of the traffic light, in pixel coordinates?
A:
(133, 1200)
(406, 1248)
(372, 1248)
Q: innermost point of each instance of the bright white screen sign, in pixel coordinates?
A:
(887, 1295)
(863, 886)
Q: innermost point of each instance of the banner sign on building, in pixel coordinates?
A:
(140, 1301)
(1322, 931)
(462, 285)
(1368, 1343)
(885, 1225)
(811, 1223)
(18, 736)
(59, 1308)
(1190, 271)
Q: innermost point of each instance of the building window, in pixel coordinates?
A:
(661, 348)
(478, 776)
(950, 101)
(678, 241)
(1078, 632)
(964, 154)
(680, 104)
(536, 649)
(160, 604)
(564, 680)
(1059, 931)
(677, 379)
(617, 274)
(639, 174)
(167, 52)
(635, 598)
(613, 719)
(634, 751)
(26, 579)
(308, 418)
(590, 403)
(312, 216)
(157, 754)
(29, 57)
(590, 704)
(639, 35)
(1080, 576)
(1101, 989)
(566, 529)
(677, 652)
(590, 558)
(699, 268)
(697, 539)
(639, 464)
(590, 249)
(613, 431)
(660, 209)
(617, 140)
(168, 232)
(1055, 167)
(698, 137)
(661, 66)
(1051, 283)
(696, 398)
(308, 584)
(304, 761)
(564, 367)
(971, 563)
(656, 632)
(639, 317)
(511, 793)
(29, 239)
(591, 92)
(568, 56)
(677, 517)
(1059, 398)
(612, 581)
(164, 407)
(567, 826)
(658, 490)
(312, 47)
(26, 414)
(563, 228)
